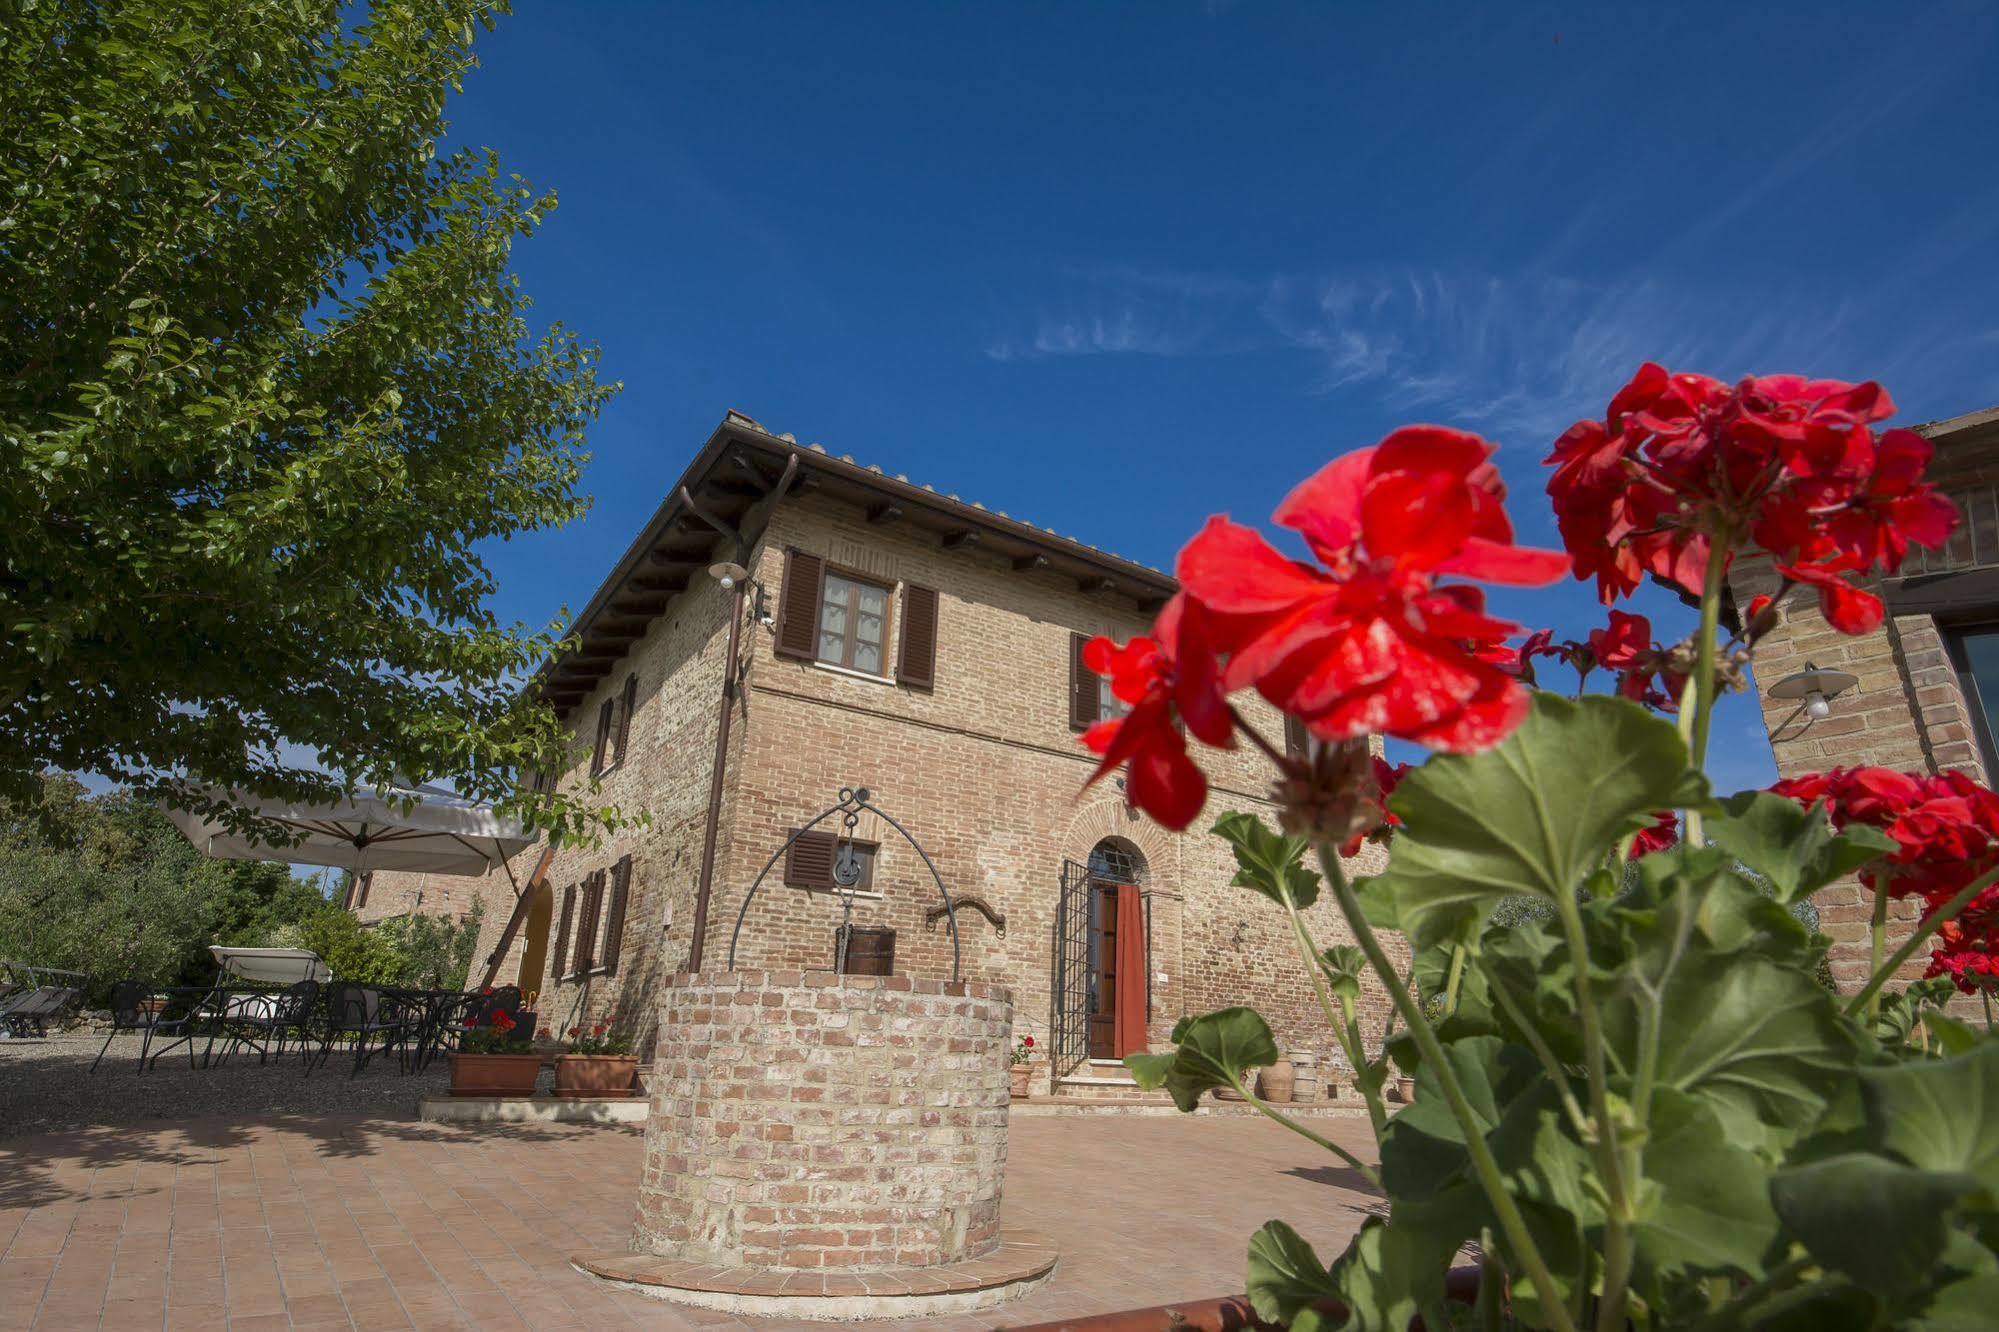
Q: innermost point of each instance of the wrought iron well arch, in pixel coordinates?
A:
(847, 870)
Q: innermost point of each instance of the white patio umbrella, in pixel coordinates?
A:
(423, 828)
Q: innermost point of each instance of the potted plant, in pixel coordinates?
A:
(1637, 1100)
(599, 1063)
(1020, 1068)
(494, 1059)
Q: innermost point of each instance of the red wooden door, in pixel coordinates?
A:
(1103, 969)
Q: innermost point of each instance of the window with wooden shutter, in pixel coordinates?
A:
(614, 923)
(561, 968)
(809, 863)
(798, 606)
(1085, 710)
(604, 717)
(916, 661)
(587, 922)
(625, 707)
(1296, 737)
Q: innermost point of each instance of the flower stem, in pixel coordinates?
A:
(1367, 1171)
(1703, 682)
(1929, 925)
(1877, 947)
(1730, 1313)
(1377, 1113)
(1617, 1253)
(1483, 1164)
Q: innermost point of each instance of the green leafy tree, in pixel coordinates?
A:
(267, 387)
(105, 885)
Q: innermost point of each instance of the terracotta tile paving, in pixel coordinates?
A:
(369, 1223)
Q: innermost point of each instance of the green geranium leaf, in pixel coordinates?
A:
(1286, 1277)
(1344, 965)
(1423, 1148)
(1268, 861)
(1941, 1114)
(1213, 1050)
(1385, 1278)
(1877, 1221)
(1962, 1306)
(1954, 1036)
(1763, 1043)
(1792, 845)
(1709, 1209)
(1534, 815)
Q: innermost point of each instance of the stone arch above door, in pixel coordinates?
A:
(1099, 819)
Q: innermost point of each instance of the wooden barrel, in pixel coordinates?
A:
(1304, 1076)
(1274, 1084)
(870, 950)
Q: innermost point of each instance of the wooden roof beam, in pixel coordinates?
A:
(884, 513)
(1029, 563)
(961, 539)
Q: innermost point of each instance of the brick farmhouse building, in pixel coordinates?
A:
(925, 648)
(1927, 690)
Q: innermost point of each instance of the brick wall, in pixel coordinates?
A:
(982, 769)
(805, 1121)
(986, 774)
(394, 893)
(1907, 712)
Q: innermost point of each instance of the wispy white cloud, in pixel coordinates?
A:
(1517, 356)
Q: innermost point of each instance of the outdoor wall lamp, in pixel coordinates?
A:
(1818, 688)
(728, 575)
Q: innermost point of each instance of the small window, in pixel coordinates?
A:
(1974, 651)
(600, 755)
(819, 860)
(853, 624)
(1109, 705)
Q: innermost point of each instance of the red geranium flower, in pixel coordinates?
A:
(1946, 827)
(1791, 463)
(1027, 1041)
(1620, 646)
(1387, 776)
(1663, 831)
(1167, 679)
(1369, 643)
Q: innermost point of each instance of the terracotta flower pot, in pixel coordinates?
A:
(598, 1075)
(1405, 1090)
(1016, 1080)
(494, 1074)
(1274, 1084)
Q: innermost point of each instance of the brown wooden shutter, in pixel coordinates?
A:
(1295, 736)
(603, 736)
(1084, 709)
(798, 608)
(561, 966)
(614, 928)
(625, 715)
(916, 662)
(809, 864)
(586, 923)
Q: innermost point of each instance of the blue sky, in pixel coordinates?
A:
(1116, 267)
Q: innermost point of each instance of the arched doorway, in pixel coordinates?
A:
(1120, 979)
(534, 954)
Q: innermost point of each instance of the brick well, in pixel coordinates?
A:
(807, 1121)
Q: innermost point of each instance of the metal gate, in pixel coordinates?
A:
(1075, 977)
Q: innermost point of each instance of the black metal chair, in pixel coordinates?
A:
(265, 1025)
(367, 1015)
(129, 1013)
(187, 1013)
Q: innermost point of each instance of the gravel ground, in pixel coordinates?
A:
(46, 1085)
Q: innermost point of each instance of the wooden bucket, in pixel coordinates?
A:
(870, 950)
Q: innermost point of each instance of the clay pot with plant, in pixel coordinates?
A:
(494, 1059)
(1634, 1099)
(598, 1064)
(1020, 1068)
